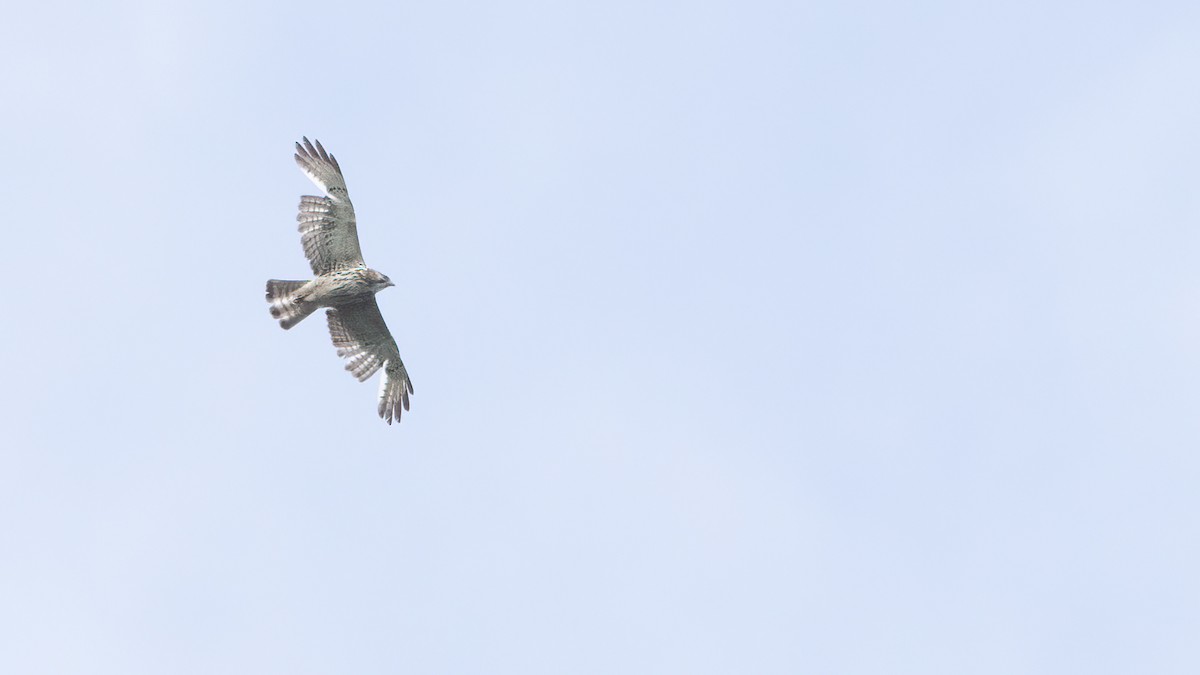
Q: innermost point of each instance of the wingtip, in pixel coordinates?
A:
(305, 149)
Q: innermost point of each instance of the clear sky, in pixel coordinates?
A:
(747, 337)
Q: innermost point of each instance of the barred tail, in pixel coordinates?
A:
(285, 306)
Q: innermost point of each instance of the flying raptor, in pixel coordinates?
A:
(343, 283)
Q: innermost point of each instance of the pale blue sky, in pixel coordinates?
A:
(747, 337)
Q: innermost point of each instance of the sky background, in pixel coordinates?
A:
(747, 337)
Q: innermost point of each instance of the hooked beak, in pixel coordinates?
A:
(389, 283)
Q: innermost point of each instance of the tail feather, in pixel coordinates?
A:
(285, 305)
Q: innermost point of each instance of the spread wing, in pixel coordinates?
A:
(362, 338)
(327, 227)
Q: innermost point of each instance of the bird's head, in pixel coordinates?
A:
(379, 281)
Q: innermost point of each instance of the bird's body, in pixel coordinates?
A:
(343, 284)
(292, 301)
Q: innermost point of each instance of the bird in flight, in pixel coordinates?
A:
(342, 283)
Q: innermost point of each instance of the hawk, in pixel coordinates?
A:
(342, 282)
